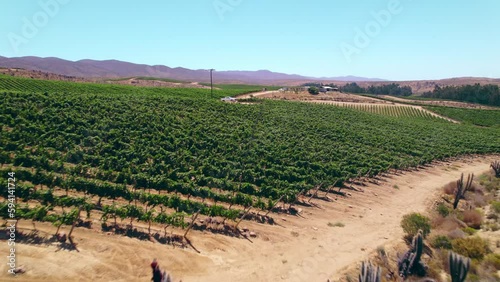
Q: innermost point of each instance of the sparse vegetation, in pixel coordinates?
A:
(443, 210)
(473, 247)
(441, 242)
(495, 207)
(413, 222)
(336, 224)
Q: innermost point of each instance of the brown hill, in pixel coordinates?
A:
(115, 69)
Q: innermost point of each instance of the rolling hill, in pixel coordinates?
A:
(115, 68)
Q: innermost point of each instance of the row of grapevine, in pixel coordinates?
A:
(131, 143)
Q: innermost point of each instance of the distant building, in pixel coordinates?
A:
(325, 89)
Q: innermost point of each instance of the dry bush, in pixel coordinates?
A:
(479, 200)
(473, 218)
(445, 223)
(450, 188)
(476, 189)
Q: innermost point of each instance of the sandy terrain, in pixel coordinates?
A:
(298, 249)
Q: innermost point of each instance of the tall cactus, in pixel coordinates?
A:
(459, 267)
(496, 167)
(410, 262)
(369, 273)
(461, 189)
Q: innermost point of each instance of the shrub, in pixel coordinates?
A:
(473, 218)
(441, 242)
(313, 90)
(412, 222)
(472, 247)
(336, 224)
(449, 188)
(469, 230)
(492, 260)
(443, 210)
(495, 206)
(473, 278)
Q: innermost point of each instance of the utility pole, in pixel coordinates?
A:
(211, 84)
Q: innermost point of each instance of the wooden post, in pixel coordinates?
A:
(296, 198)
(315, 192)
(274, 205)
(245, 214)
(192, 223)
(330, 188)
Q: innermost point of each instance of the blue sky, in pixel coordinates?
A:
(391, 39)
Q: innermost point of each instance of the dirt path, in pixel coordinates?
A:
(454, 104)
(256, 94)
(298, 249)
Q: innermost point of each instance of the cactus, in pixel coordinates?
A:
(369, 273)
(461, 189)
(410, 262)
(459, 266)
(496, 167)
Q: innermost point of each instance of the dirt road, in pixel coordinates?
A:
(307, 248)
(454, 104)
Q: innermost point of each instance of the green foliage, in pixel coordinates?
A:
(492, 260)
(441, 242)
(443, 210)
(495, 207)
(469, 230)
(412, 222)
(488, 94)
(470, 116)
(472, 247)
(313, 90)
(395, 111)
(190, 146)
(385, 89)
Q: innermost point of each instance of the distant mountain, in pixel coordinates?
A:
(115, 69)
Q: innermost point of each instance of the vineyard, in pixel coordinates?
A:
(165, 156)
(392, 111)
(471, 116)
(21, 85)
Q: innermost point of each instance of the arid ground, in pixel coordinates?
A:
(313, 246)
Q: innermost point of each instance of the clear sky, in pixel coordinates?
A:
(390, 39)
